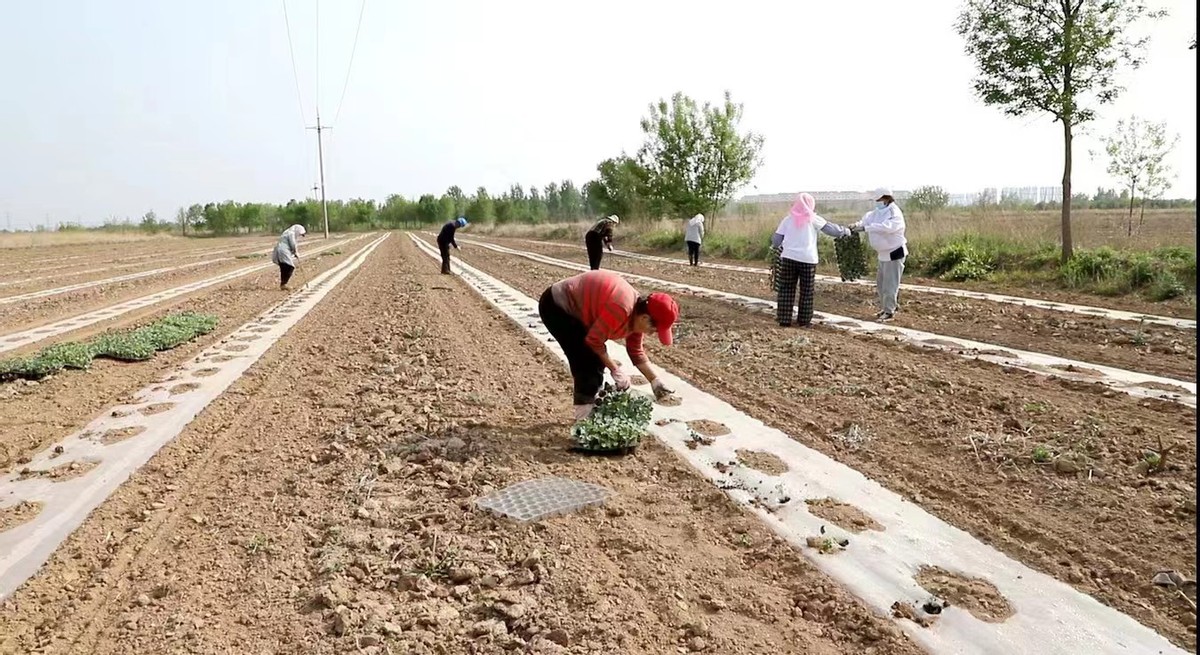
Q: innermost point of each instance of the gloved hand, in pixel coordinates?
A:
(583, 411)
(857, 227)
(620, 379)
(456, 247)
(610, 247)
(660, 389)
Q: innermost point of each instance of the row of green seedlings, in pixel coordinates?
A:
(619, 421)
(126, 346)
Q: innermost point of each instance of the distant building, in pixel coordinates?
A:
(1026, 195)
(844, 200)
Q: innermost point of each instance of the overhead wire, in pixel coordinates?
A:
(317, 28)
(361, 9)
(292, 53)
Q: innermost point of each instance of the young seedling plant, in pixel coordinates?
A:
(619, 422)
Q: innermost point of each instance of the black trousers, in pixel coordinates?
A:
(790, 275)
(285, 273)
(570, 333)
(444, 248)
(693, 252)
(595, 249)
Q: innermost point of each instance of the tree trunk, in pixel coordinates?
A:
(1129, 220)
(1067, 248)
(1142, 216)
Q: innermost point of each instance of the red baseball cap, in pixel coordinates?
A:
(663, 311)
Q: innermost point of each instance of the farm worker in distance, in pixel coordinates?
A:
(693, 235)
(598, 237)
(285, 255)
(445, 239)
(797, 236)
(585, 311)
(884, 226)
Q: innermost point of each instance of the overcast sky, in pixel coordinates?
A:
(115, 108)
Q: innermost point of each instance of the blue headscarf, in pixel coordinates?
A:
(461, 222)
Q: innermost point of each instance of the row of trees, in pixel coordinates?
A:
(558, 201)
(694, 159)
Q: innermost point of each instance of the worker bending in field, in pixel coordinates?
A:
(598, 238)
(286, 255)
(445, 239)
(585, 311)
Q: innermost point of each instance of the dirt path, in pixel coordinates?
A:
(323, 505)
(1179, 308)
(1144, 348)
(959, 438)
(36, 413)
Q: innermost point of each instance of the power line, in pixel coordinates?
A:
(362, 8)
(317, 27)
(292, 54)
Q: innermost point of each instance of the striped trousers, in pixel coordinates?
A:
(794, 284)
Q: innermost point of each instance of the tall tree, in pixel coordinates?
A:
(695, 156)
(460, 200)
(536, 206)
(622, 188)
(482, 209)
(427, 208)
(1060, 57)
(150, 222)
(928, 200)
(551, 197)
(570, 202)
(1137, 151)
(195, 216)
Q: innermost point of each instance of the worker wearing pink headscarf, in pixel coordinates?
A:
(797, 239)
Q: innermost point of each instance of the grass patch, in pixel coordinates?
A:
(127, 346)
(1013, 247)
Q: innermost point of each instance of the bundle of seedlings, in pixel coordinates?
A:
(851, 254)
(616, 425)
(134, 345)
(774, 255)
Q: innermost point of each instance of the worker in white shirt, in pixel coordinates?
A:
(797, 237)
(884, 226)
(693, 235)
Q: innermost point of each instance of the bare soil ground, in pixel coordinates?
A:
(1152, 349)
(38, 311)
(1179, 307)
(28, 280)
(35, 414)
(324, 505)
(98, 252)
(960, 438)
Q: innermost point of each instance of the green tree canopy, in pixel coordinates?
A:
(1058, 57)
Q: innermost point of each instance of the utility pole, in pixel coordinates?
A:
(321, 164)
